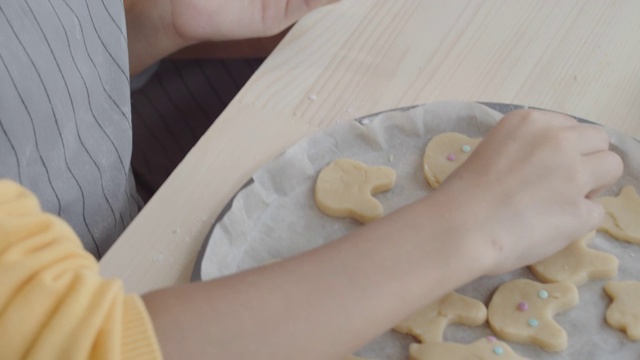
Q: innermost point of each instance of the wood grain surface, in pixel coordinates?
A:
(363, 56)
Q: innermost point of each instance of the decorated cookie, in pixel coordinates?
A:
(522, 311)
(444, 153)
(622, 218)
(577, 264)
(488, 348)
(624, 312)
(344, 189)
(428, 324)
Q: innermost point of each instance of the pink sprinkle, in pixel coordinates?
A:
(523, 306)
(492, 338)
(451, 157)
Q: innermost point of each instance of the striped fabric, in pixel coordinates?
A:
(65, 112)
(65, 125)
(175, 107)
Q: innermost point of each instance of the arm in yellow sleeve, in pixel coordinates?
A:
(53, 302)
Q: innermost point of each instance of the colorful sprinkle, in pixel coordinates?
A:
(466, 148)
(543, 294)
(498, 350)
(523, 306)
(492, 338)
(451, 157)
(533, 322)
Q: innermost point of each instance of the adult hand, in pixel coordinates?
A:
(157, 28)
(526, 191)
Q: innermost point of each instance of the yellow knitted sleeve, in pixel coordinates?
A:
(53, 302)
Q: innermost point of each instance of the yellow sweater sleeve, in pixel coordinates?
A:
(53, 302)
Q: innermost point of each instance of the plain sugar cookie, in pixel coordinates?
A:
(444, 153)
(428, 323)
(344, 188)
(624, 312)
(522, 311)
(488, 348)
(577, 264)
(622, 218)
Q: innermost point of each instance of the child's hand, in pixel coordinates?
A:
(526, 191)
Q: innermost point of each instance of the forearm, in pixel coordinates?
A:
(327, 302)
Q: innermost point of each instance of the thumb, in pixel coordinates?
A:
(277, 15)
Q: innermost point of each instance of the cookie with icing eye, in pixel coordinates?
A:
(445, 153)
(484, 349)
(345, 188)
(428, 324)
(577, 264)
(522, 311)
(624, 312)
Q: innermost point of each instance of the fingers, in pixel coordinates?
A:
(535, 122)
(589, 139)
(541, 117)
(586, 138)
(557, 118)
(601, 169)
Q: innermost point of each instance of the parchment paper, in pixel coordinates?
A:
(275, 217)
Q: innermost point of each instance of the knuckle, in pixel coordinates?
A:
(599, 135)
(603, 133)
(617, 165)
(527, 116)
(521, 116)
(558, 140)
(527, 113)
(566, 118)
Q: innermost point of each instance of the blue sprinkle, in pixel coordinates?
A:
(533, 322)
(543, 294)
(498, 350)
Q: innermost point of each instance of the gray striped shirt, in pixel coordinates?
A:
(65, 117)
